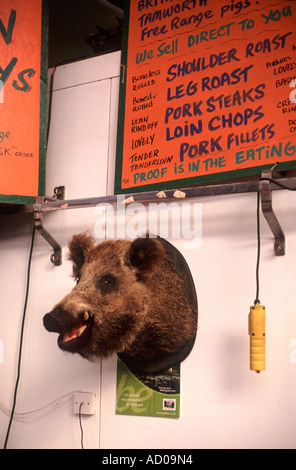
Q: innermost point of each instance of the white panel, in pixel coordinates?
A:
(114, 97)
(78, 143)
(86, 71)
(47, 373)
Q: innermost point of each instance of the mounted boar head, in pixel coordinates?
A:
(129, 299)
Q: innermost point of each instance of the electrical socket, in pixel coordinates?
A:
(88, 401)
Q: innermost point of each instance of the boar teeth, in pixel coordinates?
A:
(74, 333)
(80, 331)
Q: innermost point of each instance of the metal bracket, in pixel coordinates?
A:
(266, 205)
(58, 193)
(56, 257)
(45, 204)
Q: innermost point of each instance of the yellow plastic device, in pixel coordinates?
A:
(257, 337)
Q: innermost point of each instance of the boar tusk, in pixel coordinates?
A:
(85, 316)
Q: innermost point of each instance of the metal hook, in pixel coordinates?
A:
(266, 205)
(56, 256)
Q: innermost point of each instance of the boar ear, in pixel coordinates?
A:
(78, 247)
(144, 254)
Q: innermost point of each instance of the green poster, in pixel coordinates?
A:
(148, 395)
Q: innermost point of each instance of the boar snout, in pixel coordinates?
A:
(74, 328)
(54, 321)
(133, 298)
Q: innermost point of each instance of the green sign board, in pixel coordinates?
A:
(207, 92)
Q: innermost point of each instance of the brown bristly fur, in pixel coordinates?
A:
(136, 300)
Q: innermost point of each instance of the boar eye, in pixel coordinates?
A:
(106, 283)
(77, 279)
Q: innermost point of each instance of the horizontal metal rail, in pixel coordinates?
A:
(48, 205)
(264, 186)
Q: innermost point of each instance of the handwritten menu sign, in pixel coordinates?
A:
(23, 72)
(207, 92)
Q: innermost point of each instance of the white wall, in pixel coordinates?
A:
(84, 102)
(223, 403)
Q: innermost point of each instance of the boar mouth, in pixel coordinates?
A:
(75, 338)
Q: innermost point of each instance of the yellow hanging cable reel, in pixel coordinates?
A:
(257, 337)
